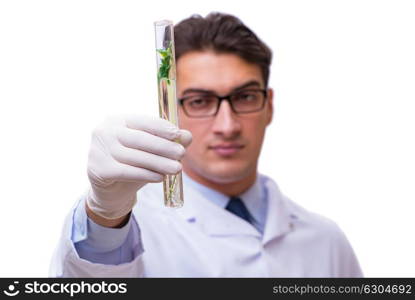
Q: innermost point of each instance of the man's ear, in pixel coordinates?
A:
(270, 105)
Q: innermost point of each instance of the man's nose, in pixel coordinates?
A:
(226, 122)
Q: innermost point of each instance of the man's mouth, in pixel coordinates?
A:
(226, 149)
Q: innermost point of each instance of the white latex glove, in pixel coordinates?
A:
(127, 152)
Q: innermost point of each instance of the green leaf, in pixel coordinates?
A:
(165, 65)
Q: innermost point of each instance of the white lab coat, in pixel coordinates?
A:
(204, 240)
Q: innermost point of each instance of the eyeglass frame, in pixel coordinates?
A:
(227, 97)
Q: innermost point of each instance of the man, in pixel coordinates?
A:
(235, 222)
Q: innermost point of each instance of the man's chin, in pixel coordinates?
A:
(220, 172)
(225, 176)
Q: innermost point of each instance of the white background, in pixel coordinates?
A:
(341, 144)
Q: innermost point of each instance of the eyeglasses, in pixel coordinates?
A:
(207, 105)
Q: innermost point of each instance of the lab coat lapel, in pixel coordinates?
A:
(278, 220)
(212, 219)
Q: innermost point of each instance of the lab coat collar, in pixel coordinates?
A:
(279, 217)
(216, 221)
(212, 217)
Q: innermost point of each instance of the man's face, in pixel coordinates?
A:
(225, 147)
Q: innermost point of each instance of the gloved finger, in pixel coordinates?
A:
(153, 125)
(141, 140)
(107, 172)
(185, 137)
(146, 160)
(129, 173)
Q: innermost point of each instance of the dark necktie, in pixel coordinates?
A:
(236, 206)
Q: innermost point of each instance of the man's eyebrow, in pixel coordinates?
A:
(248, 84)
(205, 91)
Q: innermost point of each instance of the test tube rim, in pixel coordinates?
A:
(163, 23)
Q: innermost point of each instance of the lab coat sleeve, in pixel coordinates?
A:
(89, 250)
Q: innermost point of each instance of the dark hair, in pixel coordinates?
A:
(222, 33)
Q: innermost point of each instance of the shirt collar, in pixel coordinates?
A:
(214, 196)
(256, 202)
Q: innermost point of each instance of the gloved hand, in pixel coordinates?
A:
(127, 152)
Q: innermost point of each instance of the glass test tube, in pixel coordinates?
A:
(166, 83)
